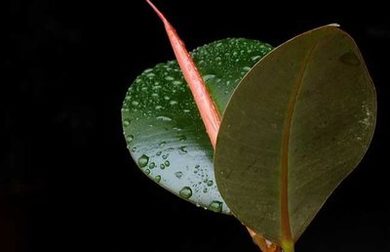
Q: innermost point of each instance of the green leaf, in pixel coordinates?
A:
(295, 127)
(162, 126)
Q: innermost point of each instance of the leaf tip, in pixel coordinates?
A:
(158, 12)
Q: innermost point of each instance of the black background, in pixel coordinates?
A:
(67, 182)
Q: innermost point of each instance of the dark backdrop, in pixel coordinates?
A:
(67, 182)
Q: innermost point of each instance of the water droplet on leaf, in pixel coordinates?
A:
(208, 77)
(182, 138)
(126, 122)
(183, 150)
(164, 118)
(216, 206)
(129, 138)
(143, 161)
(179, 174)
(185, 192)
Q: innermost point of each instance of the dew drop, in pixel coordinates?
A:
(162, 166)
(210, 183)
(157, 178)
(166, 98)
(216, 206)
(182, 138)
(246, 68)
(158, 153)
(179, 174)
(205, 190)
(158, 107)
(177, 83)
(135, 103)
(185, 192)
(126, 122)
(167, 163)
(208, 77)
(183, 150)
(129, 138)
(255, 58)
(169, 78)
(162, 144)
(134, 149)
(147, 171)
(154, 95)
(186, 111)
(177, 128)
(164, 118)
(143, 160)
(165, 156)
(173, 102)
(152, 165)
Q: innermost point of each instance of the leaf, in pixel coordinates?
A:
(162, 126)
(295, 127)
(206, 106)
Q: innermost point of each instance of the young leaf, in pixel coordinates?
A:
(295, 127)
(206, 106)
(162, 125)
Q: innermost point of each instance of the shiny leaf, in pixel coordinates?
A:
(295, 127)
(162, 126)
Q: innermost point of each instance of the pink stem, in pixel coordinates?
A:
(207, 109)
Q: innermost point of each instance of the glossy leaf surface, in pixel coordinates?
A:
(162, 126)
(295, 127)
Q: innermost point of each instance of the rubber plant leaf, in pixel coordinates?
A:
(298, 123)
(162, 126)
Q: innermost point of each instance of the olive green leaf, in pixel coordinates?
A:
(162, 126)
(298, 123)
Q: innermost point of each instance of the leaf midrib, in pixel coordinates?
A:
(286, 234)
